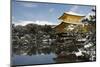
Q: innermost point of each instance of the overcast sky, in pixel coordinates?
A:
(43, 13)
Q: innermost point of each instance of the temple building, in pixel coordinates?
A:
(69, 21)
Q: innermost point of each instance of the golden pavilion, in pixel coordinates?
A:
(69, 20)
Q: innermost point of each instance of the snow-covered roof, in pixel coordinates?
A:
(73, 13)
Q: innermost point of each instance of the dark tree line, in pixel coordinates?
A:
(25, 37)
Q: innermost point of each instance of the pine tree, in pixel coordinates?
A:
(91, 20)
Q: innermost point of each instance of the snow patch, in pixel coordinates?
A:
(88, 45)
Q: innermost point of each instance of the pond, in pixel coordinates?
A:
(34, 59)
(44, 53)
